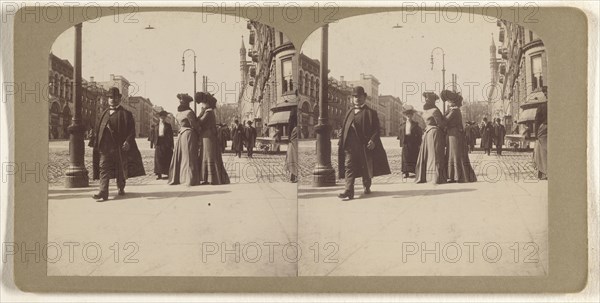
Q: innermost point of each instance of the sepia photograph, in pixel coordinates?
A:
(298, 149)
(423, 147)
(169, 143)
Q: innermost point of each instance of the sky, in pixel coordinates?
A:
(151, 59)
(401, 58)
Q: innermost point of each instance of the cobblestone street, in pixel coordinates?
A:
(511, 165)
(261, 168)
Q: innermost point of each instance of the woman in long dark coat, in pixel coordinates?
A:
(212, 169)
(162, 140)
(431, 164)
(413, 134)
(184, 168)
(459, 166)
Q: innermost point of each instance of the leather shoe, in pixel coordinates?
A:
(346, 196)
(367, 190)
(99, 197)
(121, 191)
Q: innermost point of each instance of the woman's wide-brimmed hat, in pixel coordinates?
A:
(450, 96)
(185, 98)
(207, 98)
(407, 109)
(430, 96)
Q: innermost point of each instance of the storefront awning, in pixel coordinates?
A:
(527, 115)
(280, 118)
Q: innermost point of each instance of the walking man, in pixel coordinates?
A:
(250, 135)
(237, 138)
(499, 132)
(115, 141)
(360, 143)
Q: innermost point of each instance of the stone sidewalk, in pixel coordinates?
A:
(239, 229)
(496, 226)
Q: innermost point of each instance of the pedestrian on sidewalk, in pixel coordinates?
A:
(411, 135)
(119, 156)
(364, 156)
(459, 166)
(184, 167)
(291, 157)
(162, 139)
(540, 151)
(212, 170)
(499, 133)
(237, 138)
(487, 135)
(431, 165)
(151, 136)
(222, 136)
(250, 135)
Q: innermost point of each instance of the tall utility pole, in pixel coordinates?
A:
(77, 174)
(195, 72)
(443, 70)
(323, 174)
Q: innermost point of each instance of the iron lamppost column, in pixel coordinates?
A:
(195, 72)
(77, 174)
(323, 174)
(443, 70)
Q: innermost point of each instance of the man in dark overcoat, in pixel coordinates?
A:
(237, 138)
(250, 135)
(360, 143)
(114, 141)
(487, 135)
(499, 133)
(162, 139)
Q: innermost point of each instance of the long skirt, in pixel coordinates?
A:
(213, 169)
(410, 154)
(431, 161)
(291, 158)
(540, 151)
(162, 157)
(184, 168)
(459, 166)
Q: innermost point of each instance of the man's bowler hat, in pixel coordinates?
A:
(114, 93)
(358, 91)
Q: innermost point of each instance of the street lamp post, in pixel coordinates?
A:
(195, 72)
(77, 174)
(443, 70)
(323, 174)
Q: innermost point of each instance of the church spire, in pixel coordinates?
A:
(243, 47)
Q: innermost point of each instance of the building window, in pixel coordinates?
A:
(300, 83)
(286, 73)
(306, 84)
(56, 85)
(530, 36)
(537, 80)
(280, 38)
(317, 90)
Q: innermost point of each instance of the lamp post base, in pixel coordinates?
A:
(323, 177)
(77, 177)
